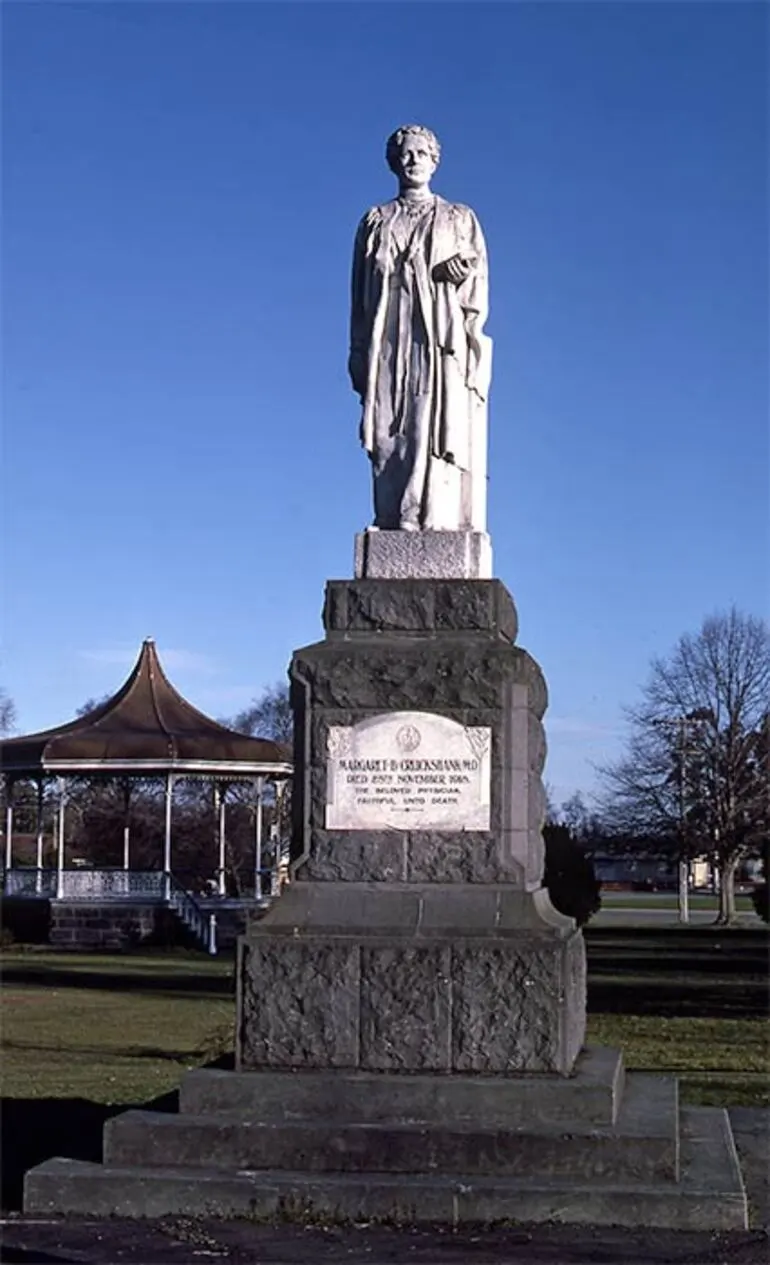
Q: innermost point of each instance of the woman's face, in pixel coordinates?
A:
(415, 164)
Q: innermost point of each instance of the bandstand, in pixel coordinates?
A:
(146, 730)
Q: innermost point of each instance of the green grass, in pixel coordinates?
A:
(719, 1062)
(124, 1029)
(110, 1029)
(668, 900)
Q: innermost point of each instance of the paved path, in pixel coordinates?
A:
(183, 1242)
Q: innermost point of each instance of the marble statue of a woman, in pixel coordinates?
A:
(419, 358)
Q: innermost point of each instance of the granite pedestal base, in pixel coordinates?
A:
(416, 949)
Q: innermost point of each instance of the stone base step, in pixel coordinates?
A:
(590, 1096)
(642, 1146)
(709, 1195)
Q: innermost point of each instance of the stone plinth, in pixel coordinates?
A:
(643, 1143)
(443, 647)
(423, 555)
(592, 1096)
(411, 939)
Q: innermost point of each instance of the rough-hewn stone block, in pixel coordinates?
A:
(443, 992)
(405, 1007)
(517, 1008)
(411, 606)
(355, 857)
(429, 555)
(438, 857)
(298, 1004)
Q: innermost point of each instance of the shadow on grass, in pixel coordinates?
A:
(37, 1129)
(679, 949)
(127, 980)
(666, 963)
(676, 999)
(701, 972)
(156, 1053)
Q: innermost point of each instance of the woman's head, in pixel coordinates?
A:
(413, 154)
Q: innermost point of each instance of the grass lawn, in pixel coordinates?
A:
(111, 1029)
(121, 1029)
(719, 1062)
(668, 900)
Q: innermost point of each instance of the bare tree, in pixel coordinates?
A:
(7, 713)
(92, 705)
(575, 816)
(268, 716)
(551, 810)
(696, 765)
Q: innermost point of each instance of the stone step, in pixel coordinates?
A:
(710, 1194)
(590, 1096)
(643, 1145)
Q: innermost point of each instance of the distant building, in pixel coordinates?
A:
(642, 872)
(639, 873)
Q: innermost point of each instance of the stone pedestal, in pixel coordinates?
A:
(401, 946)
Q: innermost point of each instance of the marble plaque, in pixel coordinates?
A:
(408, 771)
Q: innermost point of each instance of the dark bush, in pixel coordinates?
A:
(760, 898)
(25, 921)
(569, 875)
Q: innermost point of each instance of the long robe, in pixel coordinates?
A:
(427, 364)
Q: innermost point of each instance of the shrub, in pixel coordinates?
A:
(24, 921)
(569, 875)
(760, 898)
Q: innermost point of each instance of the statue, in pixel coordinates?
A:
(419, 359)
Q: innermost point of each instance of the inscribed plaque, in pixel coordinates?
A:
(408, 771)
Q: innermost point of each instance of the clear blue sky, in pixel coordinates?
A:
(181, 187)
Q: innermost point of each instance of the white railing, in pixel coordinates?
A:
(120, 884)
(113, 885)
(86, 884)
(30, 882)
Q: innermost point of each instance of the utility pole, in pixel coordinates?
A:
(681, 724)
(684, 860)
